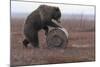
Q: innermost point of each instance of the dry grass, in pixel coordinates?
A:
(80, 46)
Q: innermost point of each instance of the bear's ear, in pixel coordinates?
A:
(56, 8)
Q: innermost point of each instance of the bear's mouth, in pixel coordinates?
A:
(56, 21)
(59, 21)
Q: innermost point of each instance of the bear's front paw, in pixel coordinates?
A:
(46, 33)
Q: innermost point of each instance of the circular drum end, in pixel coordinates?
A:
(57, 38)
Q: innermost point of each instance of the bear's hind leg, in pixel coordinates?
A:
(25, 42)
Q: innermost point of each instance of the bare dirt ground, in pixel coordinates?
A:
(81, 46)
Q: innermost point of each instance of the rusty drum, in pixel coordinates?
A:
(57, 37)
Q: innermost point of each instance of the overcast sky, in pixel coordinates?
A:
(27, 7)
